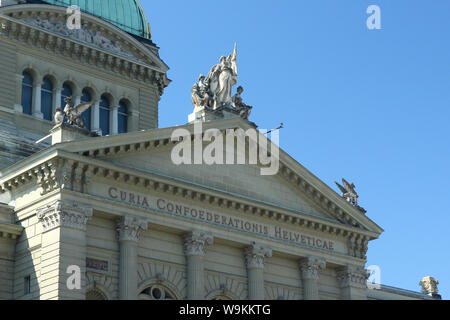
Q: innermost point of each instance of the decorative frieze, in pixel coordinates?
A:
(358, 245)
(255, 255)
(88, 45)
(310, 267)
(352, 276)
(62, 174)
(59, 173)
(195, 243)
(63, 214)
(129, 228)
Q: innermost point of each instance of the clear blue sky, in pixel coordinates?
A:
(370, 106)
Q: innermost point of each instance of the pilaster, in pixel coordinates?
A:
(255, 256)
(114, 120)
(353, 282)
(63, 245)
(310, 269)
(36, 108)
(195, 244)
(129, 229)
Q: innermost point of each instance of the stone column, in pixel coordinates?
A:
(95, 116)
(353, 282)
(36, 108)
(309, 268)
(195, 244)
(255, 256)
(63, 250)
(114, 120)
(57, 99)
(129, 229)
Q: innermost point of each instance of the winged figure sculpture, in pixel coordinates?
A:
(348, 192)
(72, 113)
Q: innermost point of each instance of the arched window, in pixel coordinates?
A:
(86, 97)
(47, 98)
(65, 93)
(105, 108)
(27, 92)
(123, 117)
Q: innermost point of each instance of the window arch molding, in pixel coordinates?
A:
(130, 100)
(112, 100)
(33, 70)
(160, 284)
(93, 91)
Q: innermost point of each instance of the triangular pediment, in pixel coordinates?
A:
(293, 188)
(242, 180)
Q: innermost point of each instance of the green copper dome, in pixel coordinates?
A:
(128, 15)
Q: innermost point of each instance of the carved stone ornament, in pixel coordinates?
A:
(214, 93)
(255, 255)
(310, 266)
(195, 243)
(349, 194)
(63, 214)
(353, 276)
(429, 285)
(129, 228)
(84, 34)
(72, 113)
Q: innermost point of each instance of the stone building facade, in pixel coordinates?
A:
(115, 206)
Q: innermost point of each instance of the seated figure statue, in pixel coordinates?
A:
(240, 105)
(200, 94)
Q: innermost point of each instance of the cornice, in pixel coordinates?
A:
(10, 231)
(74, 172)
(15, 26)
(321, 195)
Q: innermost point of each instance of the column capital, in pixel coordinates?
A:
(195, 243)
(129, 228)
(63, 214)
(352, 276)
(310, 267)
(255, 255)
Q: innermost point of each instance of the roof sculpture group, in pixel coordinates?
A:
(214, 92)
